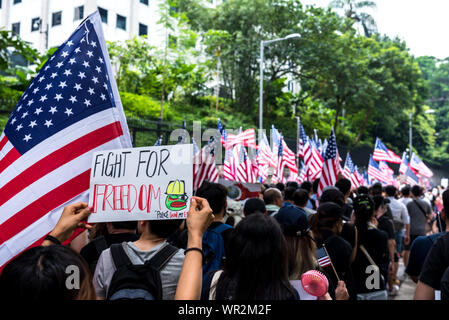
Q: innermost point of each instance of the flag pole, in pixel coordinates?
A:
(335, 271)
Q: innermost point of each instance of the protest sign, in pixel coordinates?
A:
(148, 183)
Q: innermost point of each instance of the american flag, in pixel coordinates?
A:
(313, 160)
(404, 164)
(302, 140)
(419, 166)
(358, 177)
(246, 169)
(330, 165)
(204, 167)
(71, 109)
(412, 178)
(382, 153)
(246, 138)
(286, 157)
(389, 173)
(229, 161)
(349, 167)
(375, 172)
(322, 258)
(366, 178)
(265, 157)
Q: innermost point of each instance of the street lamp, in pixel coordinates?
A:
(262, 45)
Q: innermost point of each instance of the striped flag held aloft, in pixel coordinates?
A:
(330, 165)
(70, 110)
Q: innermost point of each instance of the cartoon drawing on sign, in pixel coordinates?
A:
(176, 197)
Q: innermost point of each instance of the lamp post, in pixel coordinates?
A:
(262, 45)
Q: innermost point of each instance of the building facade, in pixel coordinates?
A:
(48, 23)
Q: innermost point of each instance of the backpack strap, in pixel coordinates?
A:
(119, 255)
(221, 228)
(100, 244)
(163, 256)
(420, 208)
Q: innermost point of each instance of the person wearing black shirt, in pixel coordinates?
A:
(118, 232)
(385, 223)
(374, 241)
(436, 263)
(326, 226)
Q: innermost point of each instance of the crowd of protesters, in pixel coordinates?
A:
(263, 255)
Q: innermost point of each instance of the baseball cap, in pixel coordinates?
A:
(330, 210)
(293, 221)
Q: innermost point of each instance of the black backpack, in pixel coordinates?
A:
(138, 282)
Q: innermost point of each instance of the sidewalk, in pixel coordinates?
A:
(407, 288)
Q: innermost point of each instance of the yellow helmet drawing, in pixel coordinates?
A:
(175, 187)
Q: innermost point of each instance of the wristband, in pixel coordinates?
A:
(52, 239)
(194, 249)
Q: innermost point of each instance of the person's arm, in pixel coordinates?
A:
(424, 292)
(190, 280)
(354, 250)
(70, 219)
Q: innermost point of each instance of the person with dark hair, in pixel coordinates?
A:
(216, 237)
(254, 205)
(326, 226)
(344, 185)
(362, 190)
(273, 200)
(280, 186)
(372, 252)
(436, 260)
(256, 266)
(40, 273)
(313, 196)
(420, 214)
(153, 239)
(386, 224)
(308, 186)
(401, 223)
(376, 189)
(288, 196)
(405, 193)
(300, 199)
(117, 232)
(292, 184)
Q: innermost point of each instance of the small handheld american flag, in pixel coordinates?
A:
(322, 257)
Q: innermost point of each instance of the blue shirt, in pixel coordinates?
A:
(418, 253)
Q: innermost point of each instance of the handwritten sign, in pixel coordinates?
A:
(149, 183)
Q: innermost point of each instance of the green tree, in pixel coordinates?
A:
(354, 10)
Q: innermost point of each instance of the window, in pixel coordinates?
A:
(16, 28)
(103, 15)
(143, 29)
(145, 2)
(35, 24)
(56, 18)
(121, 22)
(79, 13)
(17, 1)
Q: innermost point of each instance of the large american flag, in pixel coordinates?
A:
(247, 169)
(246, 138)
(71, 109)
(350, 172)
(330, 165)
(419, 166)
(229, 161)
(382, 153)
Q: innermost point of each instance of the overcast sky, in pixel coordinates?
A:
(423, 24)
